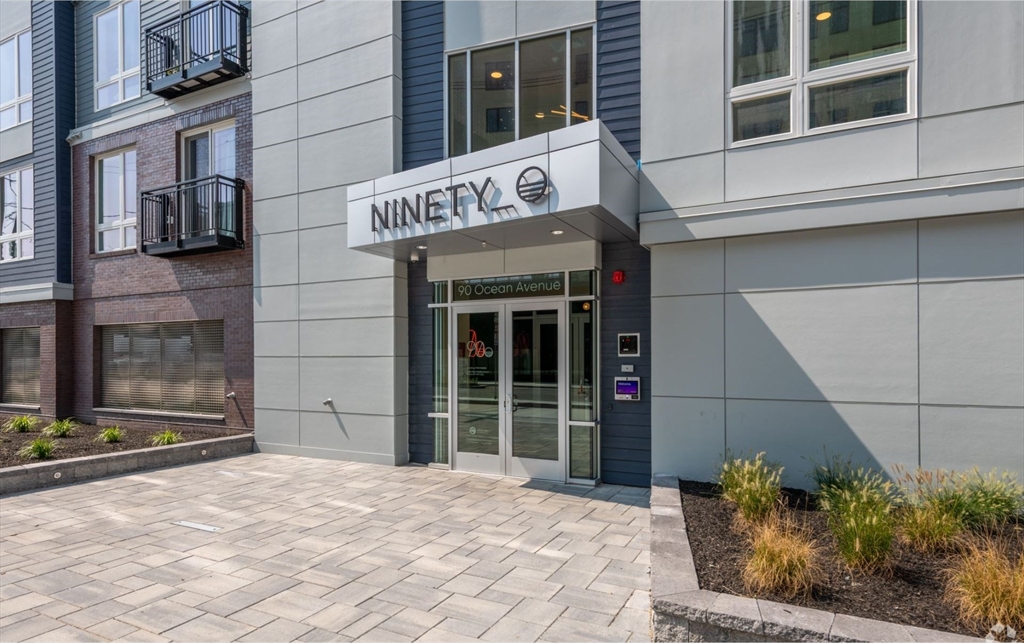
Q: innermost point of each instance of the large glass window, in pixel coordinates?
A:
(849, 63)
(19, 366)
(519, 89)
(16, 80)
(174, 367)
(17, 215)
(117, 39)
(116, 198)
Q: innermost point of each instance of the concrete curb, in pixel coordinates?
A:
(682, 611)
(40, 475)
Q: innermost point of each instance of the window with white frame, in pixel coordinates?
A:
(806, 67)
(506, 92)
(116, 58)
(116, 199)
(17, 215)
(16, 80)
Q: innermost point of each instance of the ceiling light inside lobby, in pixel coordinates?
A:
(823, 16)
(421, 247)
(539, 114)
(497, 74)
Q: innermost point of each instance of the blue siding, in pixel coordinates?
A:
(618, 71)
(421, 428)
(422, 83)
(625, 308)
(52, 117)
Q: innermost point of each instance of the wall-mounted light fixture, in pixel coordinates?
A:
(230, 395)
(328, 402)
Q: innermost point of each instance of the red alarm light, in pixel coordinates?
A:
(618, 277)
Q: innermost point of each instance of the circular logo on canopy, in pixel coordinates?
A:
(532, 184)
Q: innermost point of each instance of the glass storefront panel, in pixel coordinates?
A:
(542, 92)
(440, 369)
(479, 373)
(441, 440)
(582, 354)
(457, 105)
(582, 283)
(761, 48)
(493, 97)
(845, 32)
(582, 461)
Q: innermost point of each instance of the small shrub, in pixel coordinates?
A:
(110, 434)
(61, 428)
(929, 528)
(989, 500)
(863, 525)
(987, 586)
(944, 504)
(21, 424)
(782, 561)
(40, 449)
(839, 480)
(165, 438)
(752, 485)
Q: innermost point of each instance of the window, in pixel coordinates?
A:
(814, 66)
(19, 366)
(174, 367)
(116, 60)
(16, 80)
(17, 215)
(115, 201)
(512, 91)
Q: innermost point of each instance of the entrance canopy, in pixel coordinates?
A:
(573, 184)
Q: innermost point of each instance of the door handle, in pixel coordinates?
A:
(508, 404)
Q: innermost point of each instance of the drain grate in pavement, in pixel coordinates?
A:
(196, 525)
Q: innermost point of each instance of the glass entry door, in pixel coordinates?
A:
(510, 387)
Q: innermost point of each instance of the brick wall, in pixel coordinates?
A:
(128, 286)
(54, 321)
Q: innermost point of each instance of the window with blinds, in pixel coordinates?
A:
(175, 367)
(19, 366)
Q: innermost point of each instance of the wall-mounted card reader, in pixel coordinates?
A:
(627, 388)
(629, 344)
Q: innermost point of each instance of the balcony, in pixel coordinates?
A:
(193, 217)
(201, 47)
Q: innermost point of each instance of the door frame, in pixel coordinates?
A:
(505, 464)
(465, 461)
(552, 470)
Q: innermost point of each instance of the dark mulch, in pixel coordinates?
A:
(911, 594)
(83, 442)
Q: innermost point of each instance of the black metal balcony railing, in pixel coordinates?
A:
(203, 46)
(200, 215)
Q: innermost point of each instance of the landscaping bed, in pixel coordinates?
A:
(910, 593)
(82, 442)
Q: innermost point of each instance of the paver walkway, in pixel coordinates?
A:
(317, 550)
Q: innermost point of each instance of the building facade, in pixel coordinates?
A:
(577, 241)
(592, 240)
(143, 224)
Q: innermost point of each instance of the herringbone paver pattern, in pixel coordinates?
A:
(317, 550)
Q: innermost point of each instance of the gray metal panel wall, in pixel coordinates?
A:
(51, 156)
(625, 308)
(152, 13)
(422, 83)
(421, 428)
(618, 71)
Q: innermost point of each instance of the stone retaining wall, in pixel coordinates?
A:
(39, 475)
(682, 611)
